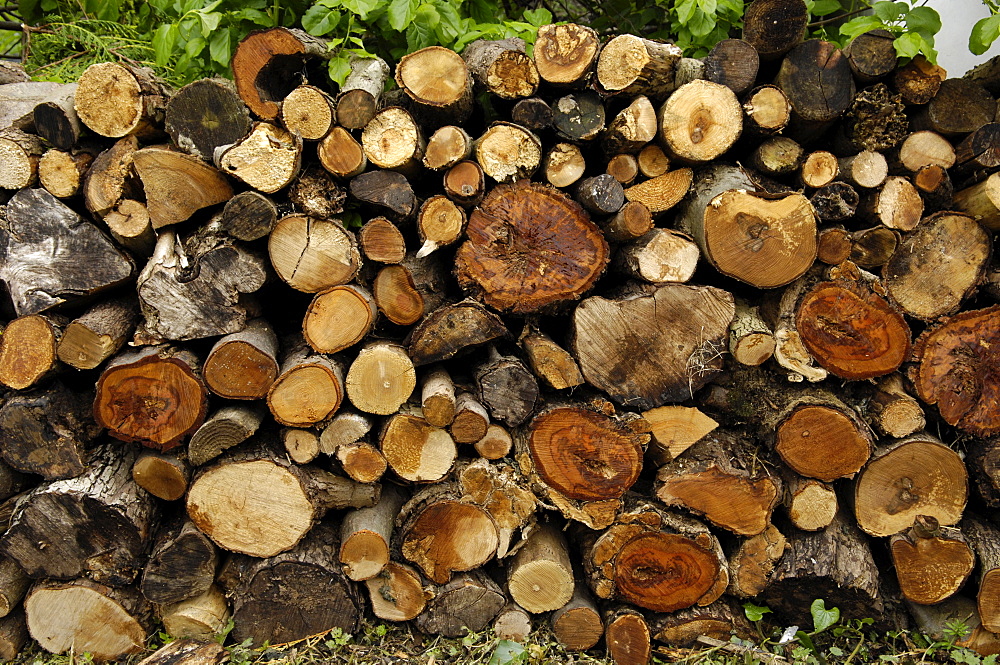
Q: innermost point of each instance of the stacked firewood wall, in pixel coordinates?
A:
(592, 334)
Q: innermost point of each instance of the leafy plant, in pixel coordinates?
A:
(986, 30)
(914, 27)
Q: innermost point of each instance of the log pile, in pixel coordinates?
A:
(622, 338)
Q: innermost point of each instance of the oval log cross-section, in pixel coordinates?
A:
(450, 536)
(664, 572)
(822, 442)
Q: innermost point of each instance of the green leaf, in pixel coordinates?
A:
(890, 11)
(685, 10)
(319, 20)
(860, 25)
(923, 20)
(163, 42)
(708, 6)
(984, 33)
(755, 612)
(702, 24)
(194, 46)
(218, 48)
(339, 67)
(401, 13)
(508, 652)
(824, 7)
(908, 45)
(209, 22)
(538, 17)
(361, 7)
(823, 618)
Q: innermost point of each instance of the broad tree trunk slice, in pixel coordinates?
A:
(437, 397)
(441, 534)
(182, 564)
(753, 560)
(773, 27)
(267, 159)
(97, 524)
(397, 594)
(381, 240)
(953, 252)
(312, 255)
(393, 140)
(468, 603)
(822, 438)
(53, 256)
(415, 450)
(28, 350)
(507, 152)
(202, 617)
(388, 192)
(339, 318)
(309, 112)
(293, 595)
(448, 330)
(817, 80)
(502, 67)
(915, 476)
(341, 154)
(362, 90)
(114, 99)
(551, 363)
(515, 265)
(982, 536)
(381, 378)
(163, 475)
(438, 82)
(767, 110)
(84, 617)
(243, 365)
(267, 65)
(309, 389)
(636, 66)
(651, 349)
(540, 577)
(577, 625)
(932, 562)
(366, 535)
(566, 54)
(700, 121)
(206, 115)
(957, 370)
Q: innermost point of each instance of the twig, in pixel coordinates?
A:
(838, 17)
(739, 648)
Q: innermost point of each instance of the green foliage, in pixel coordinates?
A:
(986, 30)
(914, 27)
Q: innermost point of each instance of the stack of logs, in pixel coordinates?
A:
(592, 334)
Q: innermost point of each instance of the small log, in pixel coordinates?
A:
(380, 240)
(932, 562)
(392, 140)
(751, 340)
(508, 153)
(577, 625)
(896, 204)
(933, 620)
(635, 66)
(819, 169)
(206, 115)
(268, 64)
(439, 223)
(753, 560)
(446, 147)
(626, 635)
(674, 429)
(388, 192)
(338, 318)
(866, 169)
(55, 118)
(919, 80)
(227, 427)
(874, 247)
(817, 79)
(777, 156)
(471, 419)
(663, 192)
(495, 444)
(438, 82)
(452, 328)
(308, 390)
(821, 437)
(564, 165)
(362, 462)
(182, 564)
(624, 168)
(601, 194)
(579, 116)
(652, 161)
(734, 64)
(774, 27)
(15, 584)
(381, 378)
(959, 107)
(62, 173)
(366, 535)
(633, 221)
(633, 128)
(565, 54)
(165, 476)
(691, 627)
(187, 652)
(341, 154)
(871, 55)
(302, 446)
(533, 112)
(362, 91)
(249, 216)
(513, 622)
(982, 538)
(415, 450)
(312, 255)
(202, 617)
(502, 67)
(893, 410)
(243, 365)
(28, 350)
(982, 201)
(109, 178)
(540, 577)
(811, 505)
(397, 593)
(925, 148)
(20, 154)
(267, 159)
(507, 388)
(660, 256)
(875, 120)
(130, 225)
(437, 400)
(974, 155)
(767, 110)
(347, 427)
(700, 121)
(465, 183)
(468, 603)
(549, 361)
(113, 99)
(315, 193)
(308, 111)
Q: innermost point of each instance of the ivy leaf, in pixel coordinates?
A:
(923, 20)
(319, 20)
(823, 618)
(508, 652)
(538, 17)
(984, 33)
(755, 612)
(163, 42)
(401, 13)
(219, 47)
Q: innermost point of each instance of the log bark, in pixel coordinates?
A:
(362, 90)
(919, 80)
(388, 192)
(55, 118)
(959, 107)
(689, 627)
(317, 194)
(182, 564)
(982, 201)
(268, 158)
(533, 113)
(751, 340)
(205, 115)
(601, 194)
(633, 128)
(110, 178)
(982, 538)
(875, 120)
(187, 652)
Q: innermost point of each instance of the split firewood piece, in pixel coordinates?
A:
(721, 621)
(518, 268)
(777, 156)
(925, 148)
(601, 194)
(953, 251)
(438, 82)
(767, 110)
(834, 564)
(636, 66)
(226, 428)
(956, 369)
(98, 333)
(471, 419)
(308, 112)
(268, 158)
(700, 121)
(396, 293)
(347, 427)
(446, 147)
(624, 168)
(130, 225)
(393, 140)
(113, 99)
(577, 625)
(341, 154)
(932, 561)
(819, 169)
(866, 169)
(243, 365)
(442, 534)
(751, 340)
(753, 560)
(465, 183)
(381, 378)
(382, 241)
(206, 115)
(366, 535)
(495, 444)
(959, 107)
(674, 429)
(309, 388)
(397, 593)
(633, 221)
(452, 328)
(507, 152)
(28, 350)
(915, 476)
(468, 603)
(564, 165)
(53, 255)
(817, 80)
(82, 616)
(893, 410)
(775, 26)
(387, 191)
(153, 395)
(202, 617)
(268, 64)
(234, 501)
(292, 595)
(194, 651)
(627, 636)
(415, 450)
(565, 54)
(362, 462)
(499, 488)
(852, 331)
(716, 477)
(302, 445)
(47, 431)
(506, 388)
(733, 63)
(533, 113)
(55, 117)
(362, 90)
(312, 255)
(197, 286)
(540, 577)
(811, 504)
(896, 204)
(164, 475)
(550, 362)
(513, 622)
(821, 437)
(632, 128)
(315, 193)
(649, 349)
(97, 524)
(789, 348)
(982, 537)
(502, 67)
(440, 223)
(874, 247)
(661, 256)
(871, 55)
(584, 475)
(339, 318)
(982, 201)
(182, 564)
(437, 397)
(62, 173)
(579, 116)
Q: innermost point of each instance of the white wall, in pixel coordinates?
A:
(952, 43)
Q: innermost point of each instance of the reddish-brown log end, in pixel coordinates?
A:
(664, 572)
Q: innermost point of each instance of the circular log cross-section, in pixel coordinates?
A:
(450, 536)
(664, 572)
(529, 246)
(853, 334)
(701, 120)
(564, 54)
(822, 442)
(436, 78)
(312, 255)
(27, 351)
(110, 99)
(584, 455)
(338, 318)
(916, 477)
